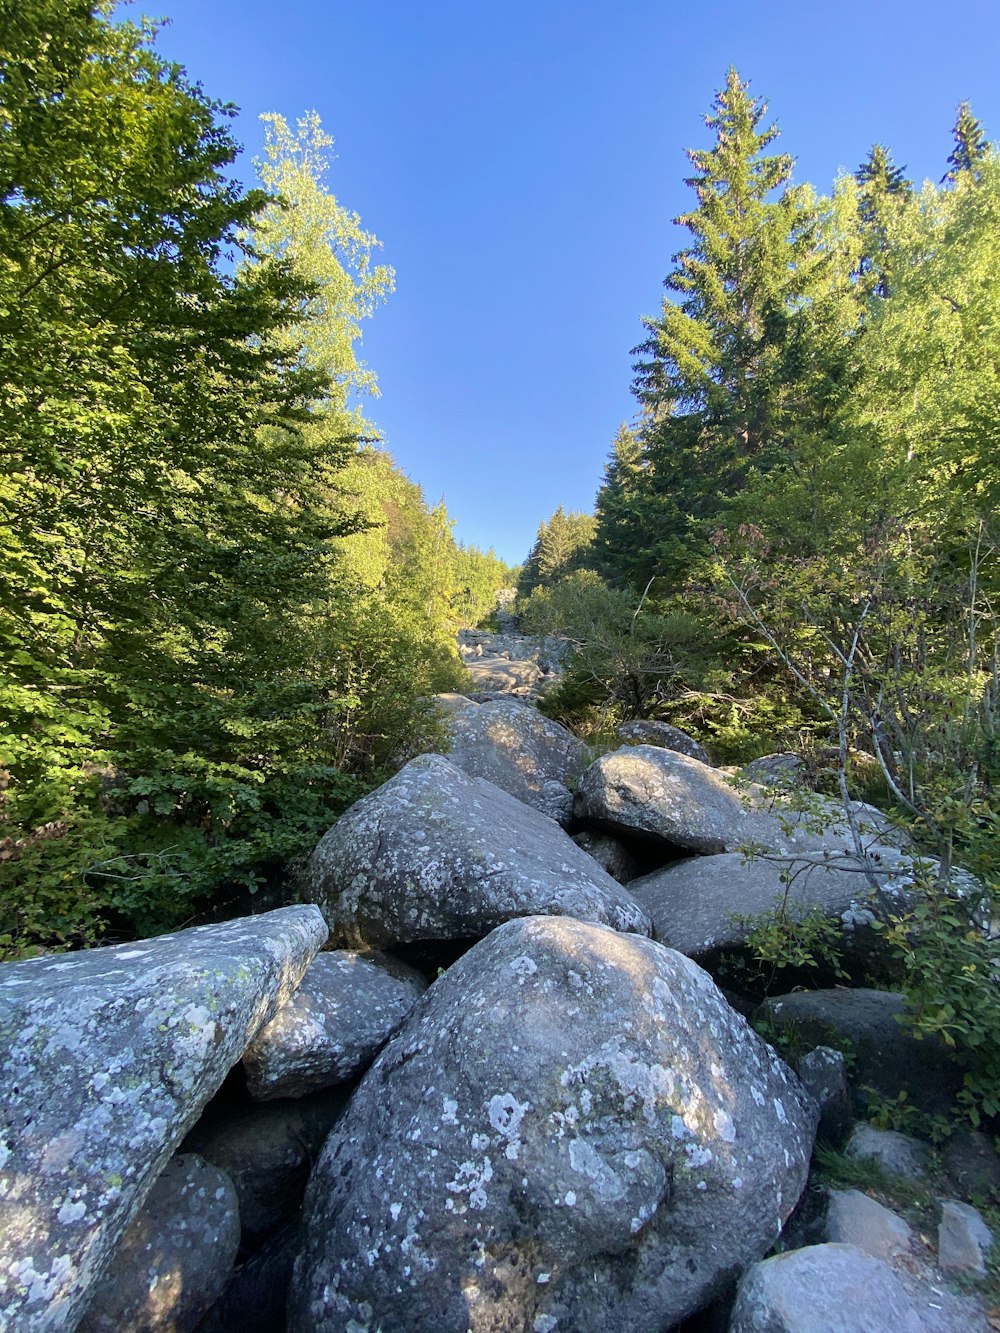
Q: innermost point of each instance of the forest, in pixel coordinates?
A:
(225, 608)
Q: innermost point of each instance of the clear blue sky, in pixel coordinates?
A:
(521, 162)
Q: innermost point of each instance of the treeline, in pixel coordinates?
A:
(222, 606)
(795, 543)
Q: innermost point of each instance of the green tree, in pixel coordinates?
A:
(971, 146)
(882, 189)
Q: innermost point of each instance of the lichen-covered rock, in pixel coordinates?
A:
(964, 1239)
(437, 855)
(573, 1131)
(106, 1059)
(645, 732)
(840, 1289)
(898, 1154)
(344, 1011)
(704, 903)
(784, 770)
(267, 1150)
(175, 1258)
(517, 749)
(674, 800)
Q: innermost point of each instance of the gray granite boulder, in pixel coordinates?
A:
(885, 1056)
(964, 1239)
(437, 855)
(106, 1059)
(840, 1289)
(702, 903)
(823, 1073)
(344, 1011)
(892, 1152)
(176, 1257)
(610, 854)
(645, 732)
(855, 1219)
(267, 1150)
(572, 1131)
(776, 770)
(685, 805)
(517, 749)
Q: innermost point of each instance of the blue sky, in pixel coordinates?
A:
(521, 163)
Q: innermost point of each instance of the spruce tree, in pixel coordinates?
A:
(971, 146)
(882, 186)
(715, 377)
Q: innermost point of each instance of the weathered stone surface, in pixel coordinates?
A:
(644, 732)
(823, 1073)
(840, 1289)
(344, 1011)
(255, 1297)
(973, 1163)
(450, 705)
(175, 1258)
(885, 1056)
(675, 800)
(899, 1154)
(784, 770)
(517, 749)
(267, 1150)
(438, 855)
(700, 904)
(610, 854)
(964, 1239)
(106, 1059)
(573, 1131)
(855, 1219)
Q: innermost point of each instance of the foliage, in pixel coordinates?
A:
(561, 547)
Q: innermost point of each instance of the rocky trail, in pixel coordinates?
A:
(485, 1078)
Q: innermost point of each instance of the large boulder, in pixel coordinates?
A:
(572, 1131)
(175, 1259)
(106, 1059)
(644, 731)
(672, 799)
(267, 1150)
(704, 903)
(885, 1056)
(513, 746)
(344, 1011)
(840, 1289)
(437, 855)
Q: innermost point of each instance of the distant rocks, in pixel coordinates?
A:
(643, 732)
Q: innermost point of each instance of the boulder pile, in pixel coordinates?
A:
(478, 1082)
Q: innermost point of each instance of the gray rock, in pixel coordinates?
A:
(973, 1163)
(450, 705)
(963, 1239)
(267, 1150)
(645, 732)
(783, 770)
(701, 904)
(344, 1011)
(149, 1031)
(899, 1154)
(437, 855)
(675, 800)
(174, 1260)
(855, 1219)
(823, 1073)
(255, 1297)
(517, 749)
(840, 1289)
(886, 1056)
(666, 796)
(610, 854)
(572, 1131)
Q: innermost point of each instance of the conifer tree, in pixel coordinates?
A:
(971, 146)
(716, 378)
(882, 187)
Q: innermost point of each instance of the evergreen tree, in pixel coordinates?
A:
(720, 370)
(882, 187)
(971, 146)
